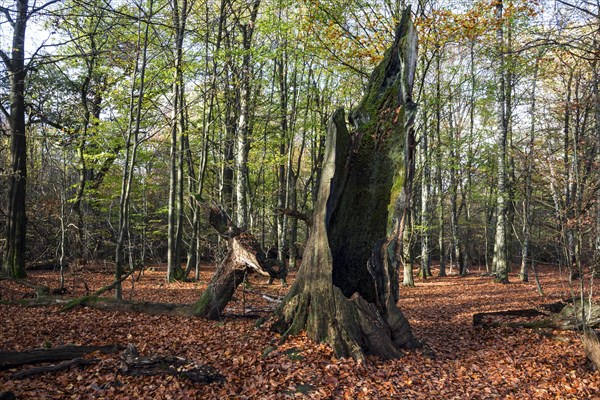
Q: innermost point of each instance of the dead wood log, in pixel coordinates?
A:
(346, 291)
(89, 298)
(11, 359)
(110, 304)
(479, 319)
(7, 396)
(573, 317)
(570, 317)
(136, 365)
(245, 256)
(53, 368)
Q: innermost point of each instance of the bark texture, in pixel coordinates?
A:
(347, 288)
(245, 256)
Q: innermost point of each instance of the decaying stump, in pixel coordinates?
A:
(347, 288)
(136, 365)
(245, 255)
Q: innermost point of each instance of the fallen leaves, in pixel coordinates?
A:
(470, 362)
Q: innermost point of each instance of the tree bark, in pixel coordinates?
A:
(242, 145)
(16, 220)
(500, 264)
(245, 256)
(178, 130)
(346, 291)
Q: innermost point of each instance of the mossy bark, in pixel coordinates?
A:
(347, 288)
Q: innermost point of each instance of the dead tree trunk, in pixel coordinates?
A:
(245, 256)
(347, 288)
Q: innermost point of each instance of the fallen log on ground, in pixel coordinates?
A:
(54, 367)
(11, 359)
(110, 304)
(481, 319)
(570, 317)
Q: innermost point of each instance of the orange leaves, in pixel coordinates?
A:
(470, 363)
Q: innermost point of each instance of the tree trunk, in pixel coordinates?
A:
(425, 208)
(527, 213)
(178, 130)
(439, 156)
(133, 129)
(242, 145)
(346, 291)
(500, 265)
(16, 221)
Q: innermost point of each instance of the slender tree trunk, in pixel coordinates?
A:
(16, 220)
(207, 125)
(405, 228)
(527, 213)
(425, 208)
(454, 211)
(242, 146)
(596, 92)
(131, 144)
(284, 149)
(500, 251)
(439, 155)
(178, 130)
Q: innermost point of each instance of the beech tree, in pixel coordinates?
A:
(17, 69)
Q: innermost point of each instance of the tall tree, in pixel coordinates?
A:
(137, 93)
(180, 10)
(500, 265)
(13, 263)
(242, 145)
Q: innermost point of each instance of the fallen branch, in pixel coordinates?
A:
(136, 365)
(110, 304)
(11, 359)
(78, 301)
(53, 368)
(307, 218)
(569, 317)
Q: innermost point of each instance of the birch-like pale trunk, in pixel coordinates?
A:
(242, 146)
(500, 264)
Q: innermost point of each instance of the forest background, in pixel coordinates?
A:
(123, 122)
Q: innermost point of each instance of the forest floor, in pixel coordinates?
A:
(470, 362)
